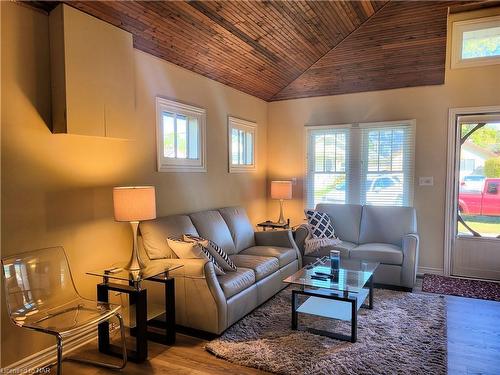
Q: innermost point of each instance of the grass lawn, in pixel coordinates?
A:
(488, 226)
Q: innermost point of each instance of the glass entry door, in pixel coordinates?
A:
(476, 241)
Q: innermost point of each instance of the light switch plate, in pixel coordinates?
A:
(426, 181)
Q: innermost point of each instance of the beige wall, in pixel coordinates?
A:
(56, 189)
(428, 105)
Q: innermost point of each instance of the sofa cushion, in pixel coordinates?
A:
(234, 282)
(155, 232)
(240, 227)
(344, 247)
(211, 225)
(387, 224)
(378, 252)
(284, 255)
(262, 266)
(346, 219)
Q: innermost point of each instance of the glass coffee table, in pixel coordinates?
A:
(337, 296)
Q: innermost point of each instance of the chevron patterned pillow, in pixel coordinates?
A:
(217, 252)
(193, 250)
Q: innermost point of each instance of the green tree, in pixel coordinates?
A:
(492, 167)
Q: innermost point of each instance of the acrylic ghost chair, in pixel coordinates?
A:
(41, 296)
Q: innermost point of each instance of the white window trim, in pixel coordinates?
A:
(355, 158)
(397, 124)
(308, 128)
(247, 126)
(165, 164)
(458, 28)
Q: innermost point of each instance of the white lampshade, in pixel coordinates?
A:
(134, 203)
(281, 189)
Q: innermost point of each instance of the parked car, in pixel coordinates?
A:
(384, 189)
(472, 183)
(485, 202)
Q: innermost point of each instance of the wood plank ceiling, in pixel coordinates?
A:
(279, 50)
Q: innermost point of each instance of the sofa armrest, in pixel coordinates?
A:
(300, 234)
(192, 268)
(410, 259)
(280, 238)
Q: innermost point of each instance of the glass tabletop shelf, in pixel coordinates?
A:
(154, 270)
(351, 276)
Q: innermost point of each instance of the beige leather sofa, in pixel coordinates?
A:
(375, 233)
(210, 303)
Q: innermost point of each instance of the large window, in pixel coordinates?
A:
(180, 137)
(327, 165)
(361, 163)
(241, 145)
(476, 42)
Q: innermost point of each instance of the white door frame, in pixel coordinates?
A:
(451, 204)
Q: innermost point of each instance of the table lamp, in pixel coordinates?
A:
(134, 204)
(281, 190)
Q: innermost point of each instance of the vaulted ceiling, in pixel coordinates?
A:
(279, 50)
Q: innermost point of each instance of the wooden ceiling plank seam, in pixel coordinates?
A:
(356, 14)
(324, 19)
(282, 41)
(282, 44)
(343, 16)
(234, 30)
(278, 42)
(304, 31)
(322, 10)
(296, 44)
(331, 18)
(368, 8)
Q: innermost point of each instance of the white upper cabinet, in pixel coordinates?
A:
(92, 75)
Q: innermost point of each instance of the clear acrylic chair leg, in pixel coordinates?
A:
(92, 362)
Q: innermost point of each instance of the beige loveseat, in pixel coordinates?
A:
(210, 303)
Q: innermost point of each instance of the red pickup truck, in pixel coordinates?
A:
(485, 202)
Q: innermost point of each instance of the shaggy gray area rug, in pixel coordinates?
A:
(405, 333)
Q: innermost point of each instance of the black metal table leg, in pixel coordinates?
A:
(354, 320)
(103, 328)
(370, 295)
(294, 309)
(170, 310)
(139, 299)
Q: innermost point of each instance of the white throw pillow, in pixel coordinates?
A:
(193, 250)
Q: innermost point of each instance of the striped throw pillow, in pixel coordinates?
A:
(193, 250)
(217, 252)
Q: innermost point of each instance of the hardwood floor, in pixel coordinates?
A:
(473, 347)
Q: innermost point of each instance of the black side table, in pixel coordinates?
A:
(274, 226)
(139, 322)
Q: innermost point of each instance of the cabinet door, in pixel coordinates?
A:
(84, 57)
(93, 75)
(119, 88)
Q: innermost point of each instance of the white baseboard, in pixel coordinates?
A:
(431, 270)
(47, 356)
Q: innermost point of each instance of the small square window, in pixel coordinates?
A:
(476, 42)
(180, 132)
(241, 145)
